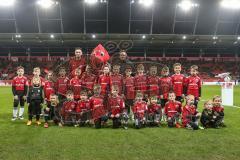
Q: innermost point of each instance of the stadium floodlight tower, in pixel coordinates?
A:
(230, 4)
(46, 3)
(7, 3)
(146, 3)
(187, 5)
(91, 2)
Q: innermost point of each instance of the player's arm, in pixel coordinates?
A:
(13, 87)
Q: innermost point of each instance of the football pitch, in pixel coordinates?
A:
(20, 142)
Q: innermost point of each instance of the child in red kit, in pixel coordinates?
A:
(99, 114)
(190, 115)
(19, 90)
(218, 110)
(173, 111)
(140, 81)
(116, 107)
(178, 80)
(154, 112)
(139, 110)
(193, 84)
(88, 80)
(68, 109)
(104, 81)
(153, 82)
(75, 84)
(128, 88)
(116, 78)
(165, 85)
(83, 110)
(49, 86)
(61, 84)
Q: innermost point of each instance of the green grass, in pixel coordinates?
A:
(17, 141)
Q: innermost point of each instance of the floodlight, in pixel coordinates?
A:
(7, 3)
(146, 3)
(187, 5)
(46, 3)
(90, 1)
(230, 4)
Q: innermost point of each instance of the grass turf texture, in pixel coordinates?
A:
(18, 141)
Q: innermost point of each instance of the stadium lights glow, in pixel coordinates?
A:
(143, 37)
(146, 3)
(52, 36)
(184, 37)
(186, 5)
(46, 3)
(18, 36)
(90, 1)
(7, 3)
(238, 38)
(215, 37)
(230, 4)
(93, 36)
(132, 1)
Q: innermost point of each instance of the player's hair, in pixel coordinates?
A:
(123, 50)
(20, 67)
(176, 64)
(139, 94)
(50, 71)
(206, 102)
(62, 68)
(195, 67)
(171, 92)
(116, 65)
(69, 92)
(83, 92)
(189, 96)
(96, 86)
(153, 97)
(165, 68)
(128, 67)
(216, 96)
(36, 68)
(140, 66)
(153, 66)
(77, 48)
(115, 87)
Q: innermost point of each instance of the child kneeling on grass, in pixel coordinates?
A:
(190, 115)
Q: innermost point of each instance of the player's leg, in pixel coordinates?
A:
(15, 108)
(21, 110)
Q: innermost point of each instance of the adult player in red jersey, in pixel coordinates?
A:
(62, 84)
(88, 80)
(129, 88)
(76, 84)
(153, 82)
(49, 86)
(165, 85)
(78, 61)
(173, 111)
(116, 78)
(140, 80)
(19, 90)
(193, 84)
(178, 80)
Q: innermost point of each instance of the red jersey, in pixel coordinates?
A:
(187, 112)
(20, 84)
(82, 106)
(116, 80)
(116, 105)
(97, 107)
(153, 108)
(88, 81)
(172, 107)
(153, 85)
(77, 63)
(68, 106)
(62, 85)
(129, 88)
(104, 81)
(48, 89)
(165, 84)
(193, 84)
(178, 82)
(218, 109)
(75, 85)
(140, 108)
(140, 82)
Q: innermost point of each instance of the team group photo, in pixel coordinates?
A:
(119, 79)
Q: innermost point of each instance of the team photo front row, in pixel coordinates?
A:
(89, 99)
